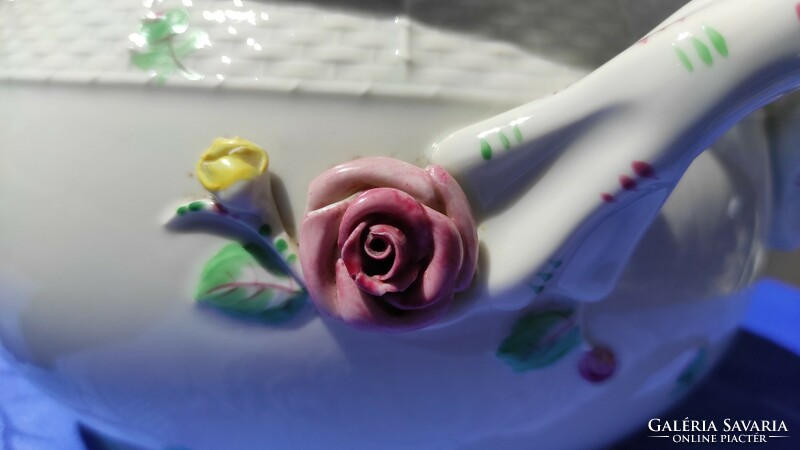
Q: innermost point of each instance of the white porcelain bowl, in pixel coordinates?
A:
(97, 296)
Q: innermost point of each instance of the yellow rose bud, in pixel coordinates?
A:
(229, 161)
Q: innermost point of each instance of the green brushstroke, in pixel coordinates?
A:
(539, 339)
(517, 134)
(196, 206)
(504, 140)
(717, 40)
(693, 372)
(684, 59)
(486, 150)
(702, 51)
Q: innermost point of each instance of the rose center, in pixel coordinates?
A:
(377, 246)
(380, 255)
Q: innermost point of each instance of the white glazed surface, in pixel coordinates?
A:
(784, 117)
(97, 295)
(660, 102)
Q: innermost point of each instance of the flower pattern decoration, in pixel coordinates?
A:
(549, 333)
(384, 246)
(258, 276)
(163, 41)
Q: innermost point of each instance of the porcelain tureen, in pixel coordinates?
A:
(281, 225)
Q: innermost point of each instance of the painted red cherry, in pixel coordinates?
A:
(597, 365)
(643, 169)
(627, 183)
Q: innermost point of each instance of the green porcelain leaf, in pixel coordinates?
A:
(246, 280)
(539, 339)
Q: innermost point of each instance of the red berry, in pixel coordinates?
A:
(643, 169)
(598, 364)
(627, 183)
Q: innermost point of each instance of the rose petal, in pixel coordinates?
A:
(351, 250)
(377, 287)
(440, 275)
(366, 173)
(458, 210)
(364, 311)
(319, 253)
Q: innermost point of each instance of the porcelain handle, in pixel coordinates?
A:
(579, 176)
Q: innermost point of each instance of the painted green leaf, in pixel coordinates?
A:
(246, 280)
(702, 51)
(165, 44)
(152, 58)
(158, 29)
(486, 149)
(687, 63)
(517, 134)
(539, 339)
(717, 40)
(692, 372)
(504, 140)
(190, 42)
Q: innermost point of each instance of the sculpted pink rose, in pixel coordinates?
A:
(384, 244)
